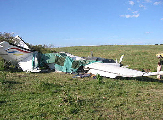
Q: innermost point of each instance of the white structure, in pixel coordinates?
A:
(112, 71)
(18, 55)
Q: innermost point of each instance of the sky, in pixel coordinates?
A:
(63, 23)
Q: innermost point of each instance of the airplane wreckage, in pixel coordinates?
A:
(31, 61)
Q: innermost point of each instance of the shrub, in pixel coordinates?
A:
(42, 48)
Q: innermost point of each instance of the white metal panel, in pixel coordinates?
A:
(109, 68)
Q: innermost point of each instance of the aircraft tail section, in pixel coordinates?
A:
(24, 57)
(13, 53)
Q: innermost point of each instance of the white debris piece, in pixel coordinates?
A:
(29, 64)
(20, 42)
(108, 70)
(73, 57)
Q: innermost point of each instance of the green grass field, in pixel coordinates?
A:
(59, 96)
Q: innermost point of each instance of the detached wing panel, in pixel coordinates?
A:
(112, 71)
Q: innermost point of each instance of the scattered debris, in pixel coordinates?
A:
(20, 55)
(82, 75)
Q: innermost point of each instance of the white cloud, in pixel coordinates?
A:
(161, 18)
(148, 1)
(142, 6)
(147, 32)
(130, 16)
(129, 9)
(131, 2)
(135, 15)
(135, 12)
(157, 3)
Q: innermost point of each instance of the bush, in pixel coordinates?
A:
(7, 37)
(42, 48)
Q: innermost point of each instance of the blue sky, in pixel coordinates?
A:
(84, 22)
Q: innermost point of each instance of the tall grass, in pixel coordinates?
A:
(59, 96)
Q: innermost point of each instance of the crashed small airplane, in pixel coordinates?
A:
(31, 61)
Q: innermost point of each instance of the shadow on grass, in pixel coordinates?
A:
(11, 69)
(10, 82)
(7, 85)
(145, 79)
(2, 102)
